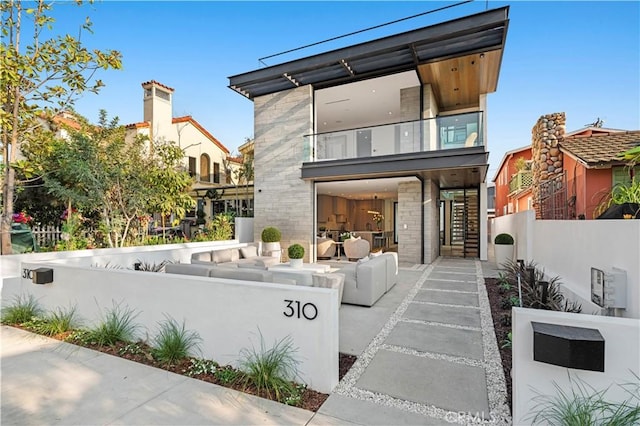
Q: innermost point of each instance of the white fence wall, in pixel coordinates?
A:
(569, 248)
(125, 257)
(520, 226)
(227, 314)
(621, 359)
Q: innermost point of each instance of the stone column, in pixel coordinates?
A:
(282, 198)
(409, 222)
(546, 155)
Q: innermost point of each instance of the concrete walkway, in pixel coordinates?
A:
(427, 356)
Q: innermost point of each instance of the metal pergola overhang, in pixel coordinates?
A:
(481, 32)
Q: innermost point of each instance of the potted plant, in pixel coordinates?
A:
(503, 248)
(271, 239)
(296, 253)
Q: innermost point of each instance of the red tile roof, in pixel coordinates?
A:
(189, 119)
(138, 125)
(150, 82)
(67, 122)
(601, 149)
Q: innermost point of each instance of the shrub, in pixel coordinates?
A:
(116, 326)
(503, 239)
(271, 370)
(151, 267)
(584, 405)
(271, 235)
(532, 293)
(57, 322)
(201, 366)
(227, 375)
(296, 251)
(23, 309)
(173, 342)
(508, 342)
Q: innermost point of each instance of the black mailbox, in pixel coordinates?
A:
(566, 346)
(42, 276)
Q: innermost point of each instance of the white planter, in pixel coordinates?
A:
(503, 252)
(295, 263)
(271, 249)
(244, 229)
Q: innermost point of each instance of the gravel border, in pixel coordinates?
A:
(496, 384)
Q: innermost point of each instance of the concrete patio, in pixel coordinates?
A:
(426, 355)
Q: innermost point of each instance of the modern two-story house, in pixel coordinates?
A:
(393, 127)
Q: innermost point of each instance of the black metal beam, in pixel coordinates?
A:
(393, 165)
(409, 42)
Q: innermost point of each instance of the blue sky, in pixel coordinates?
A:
(582, 58)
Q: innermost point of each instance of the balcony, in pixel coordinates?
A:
(520, 181)
(435, 134)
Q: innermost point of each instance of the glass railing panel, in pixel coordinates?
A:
(455, 131)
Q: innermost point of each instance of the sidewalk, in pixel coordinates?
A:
(427, 356)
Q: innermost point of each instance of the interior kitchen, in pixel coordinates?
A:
(370, 219)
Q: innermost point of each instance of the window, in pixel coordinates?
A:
(205, 168)
(622, 175)
(216, 172)
(192, 166)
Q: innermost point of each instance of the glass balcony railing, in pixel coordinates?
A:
(440, 133)
(520, 181)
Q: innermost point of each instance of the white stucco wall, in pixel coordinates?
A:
(569, 248)
(621, 359)
(229, 315)
(10, 265)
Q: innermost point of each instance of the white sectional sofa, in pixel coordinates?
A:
(368, 279)
(240, 257)
(301, 278)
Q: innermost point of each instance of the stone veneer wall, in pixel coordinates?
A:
(282, 198)
(431, 216)
(409, 214)
(545, 152)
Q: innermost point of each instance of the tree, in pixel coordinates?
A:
(246, 173)
(170, 184)
(97, 171)
(38, 79)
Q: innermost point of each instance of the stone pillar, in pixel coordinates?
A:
(545, 152)
(409, 222)
(282, 198)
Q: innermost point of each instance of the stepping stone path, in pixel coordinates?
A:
(436, 357)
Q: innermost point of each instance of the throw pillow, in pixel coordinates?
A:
(249, 252)
(375, 253)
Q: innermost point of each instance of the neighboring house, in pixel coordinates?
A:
(593, 166)
(394, 126)
(585, 163)
(513, 185)
(204, 155)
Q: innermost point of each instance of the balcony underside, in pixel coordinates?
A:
(452, 168)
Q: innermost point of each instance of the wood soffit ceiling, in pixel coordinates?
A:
(458, 82)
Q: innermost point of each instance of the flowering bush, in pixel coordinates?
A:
(21, 217)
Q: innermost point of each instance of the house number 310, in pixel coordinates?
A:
(295, 308)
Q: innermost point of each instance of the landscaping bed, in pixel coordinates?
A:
(267, 371)
(502, 326)
(205, 370)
